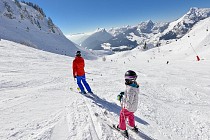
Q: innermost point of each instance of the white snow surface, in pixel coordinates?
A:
(39, 98)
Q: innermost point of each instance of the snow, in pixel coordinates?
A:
(26, 31)
(79, 38)
(39, 98)
(152, 33)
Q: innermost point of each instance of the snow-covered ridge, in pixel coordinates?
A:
(79, 37)
(153, 33)
(22, 23)
(179, 28)
(95, 40)
(195, 42)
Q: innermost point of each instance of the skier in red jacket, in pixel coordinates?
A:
(79, 73)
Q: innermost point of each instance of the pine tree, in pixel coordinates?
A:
(36, 7)
(17, 3)
(9, 12)
(27, 29)
(21, 15)
(145, 46)
(50, 24)
(38, 24)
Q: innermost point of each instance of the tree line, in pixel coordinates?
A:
(35, 6)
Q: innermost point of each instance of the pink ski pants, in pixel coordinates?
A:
(124, 115)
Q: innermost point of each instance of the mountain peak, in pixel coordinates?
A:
(198, 11)
(149, 21)
(100, 30)
(194, 8)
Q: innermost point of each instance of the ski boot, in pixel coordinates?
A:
(123, 132)
(135, 129)
(82, 92)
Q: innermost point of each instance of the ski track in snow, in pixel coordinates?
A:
(39, 98)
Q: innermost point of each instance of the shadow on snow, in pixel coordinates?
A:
(112, 107)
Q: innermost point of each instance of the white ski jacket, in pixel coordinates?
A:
(130, 98)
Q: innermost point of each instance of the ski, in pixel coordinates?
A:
(140, 134)
(124, 134)
(88, 95)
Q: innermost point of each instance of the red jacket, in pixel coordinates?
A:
(78, 66)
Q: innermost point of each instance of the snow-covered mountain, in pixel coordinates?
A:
(40, 101)
(79, 37)
(118, 30)
(153, 34)
(180, 27)
(95, 40)
(136, 35)
(119, 39)
(156, 34)
(26, 23)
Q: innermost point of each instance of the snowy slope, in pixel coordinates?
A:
(180, 27)
(28, 26)
(95, 40)
(39, 98)
(78, 38)
(91, 40)
(196, 42)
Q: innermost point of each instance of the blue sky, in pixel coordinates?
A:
(78, 16)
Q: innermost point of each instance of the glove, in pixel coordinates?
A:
(122, 93)
(120, 96)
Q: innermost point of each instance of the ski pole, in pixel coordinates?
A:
(89, 79)
(193, 49)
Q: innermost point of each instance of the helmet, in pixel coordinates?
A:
(78, 53)
(130, 77)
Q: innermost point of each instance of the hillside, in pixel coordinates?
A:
(24, 24)
(95, 40)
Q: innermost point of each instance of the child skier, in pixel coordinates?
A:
(129, 102)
